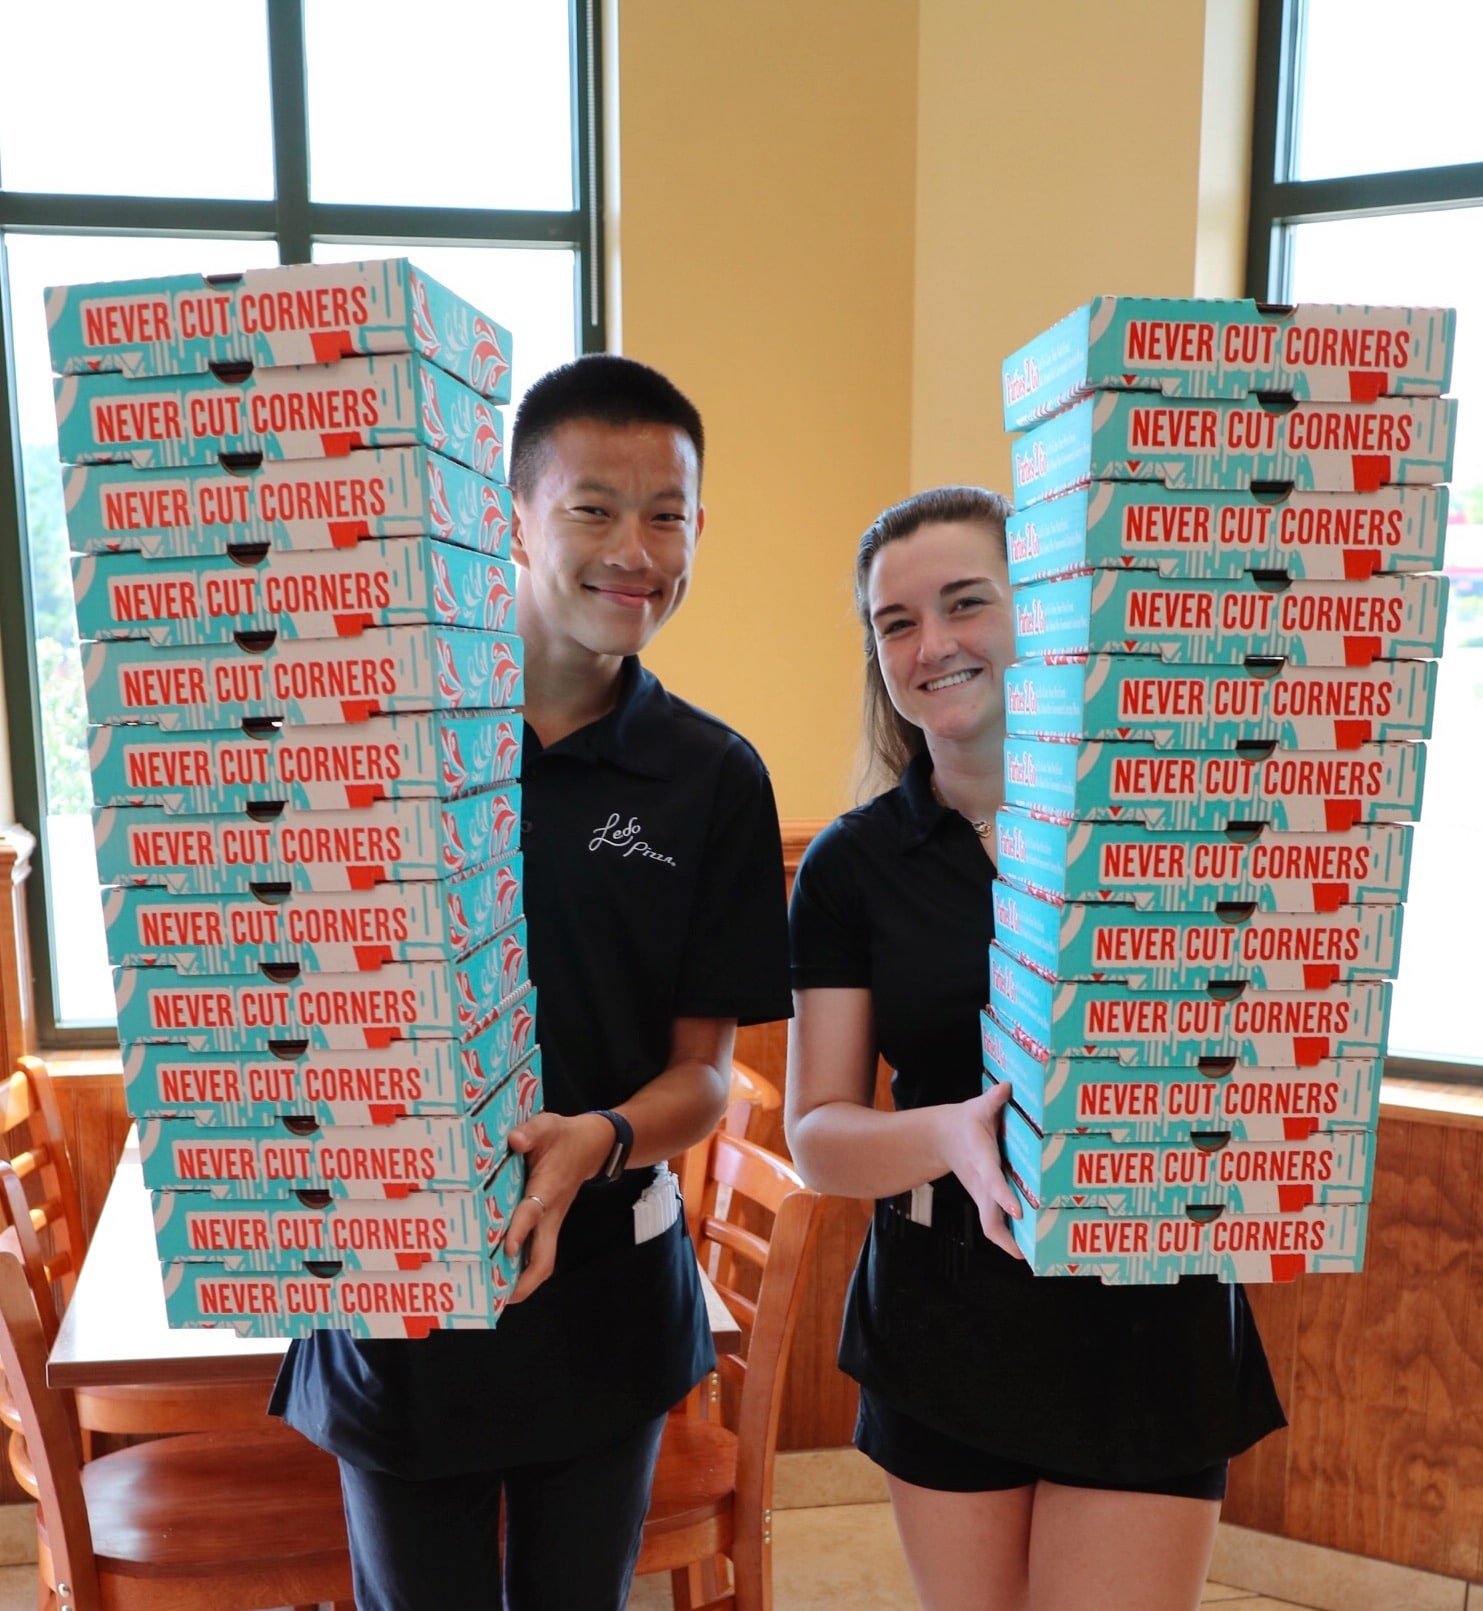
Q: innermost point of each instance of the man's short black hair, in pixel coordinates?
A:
(600, 386)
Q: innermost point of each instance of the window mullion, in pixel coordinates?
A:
(289, 81)
(135, 215)
(1266, 118)
(1408, 190)
(587, 104)
(441, 226)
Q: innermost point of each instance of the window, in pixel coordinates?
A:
(217, 138)
(1367, 186)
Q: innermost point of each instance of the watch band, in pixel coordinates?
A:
(616, 1161)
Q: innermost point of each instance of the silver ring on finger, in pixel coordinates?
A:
(531, 1197)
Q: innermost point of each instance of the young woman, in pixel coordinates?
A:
(1047, 1442)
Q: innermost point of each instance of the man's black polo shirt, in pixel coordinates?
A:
(654, 891)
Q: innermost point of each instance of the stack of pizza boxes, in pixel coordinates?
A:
(1224, 560)
(290, 528)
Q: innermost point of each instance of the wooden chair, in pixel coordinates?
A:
(32, 1134)
(713, 1485)
(34, 1141)
(750, 1098)
(203, 1522)
(15, 1213)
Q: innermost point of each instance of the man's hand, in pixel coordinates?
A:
(560, 1154)
(970, 1144)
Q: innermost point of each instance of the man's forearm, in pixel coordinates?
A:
(677, 1108)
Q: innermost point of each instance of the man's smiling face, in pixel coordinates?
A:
(607, 535)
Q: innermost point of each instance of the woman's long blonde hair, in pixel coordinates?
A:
(891, 740)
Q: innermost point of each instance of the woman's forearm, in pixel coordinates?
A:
(855, 1151)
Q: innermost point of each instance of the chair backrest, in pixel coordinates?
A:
(760, 1278)
(17, 1213)
(33, 1138)
(751, 1096)
(49, 1425)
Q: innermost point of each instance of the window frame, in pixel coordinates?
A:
(294, 220)
(1279, 201)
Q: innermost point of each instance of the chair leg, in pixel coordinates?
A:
(680, 1588)
(751, 1565)
(699, 1585)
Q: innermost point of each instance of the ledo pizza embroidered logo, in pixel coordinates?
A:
(627, 838)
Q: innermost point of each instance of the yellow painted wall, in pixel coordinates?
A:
(835, 220)
(1058, 157)
(767, 158)
(1225, 147)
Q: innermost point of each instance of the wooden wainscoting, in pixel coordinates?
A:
(90, 1094)
(1381, 1373)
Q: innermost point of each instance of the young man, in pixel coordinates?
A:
(654, 895)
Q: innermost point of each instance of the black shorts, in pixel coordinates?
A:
(927, 1458)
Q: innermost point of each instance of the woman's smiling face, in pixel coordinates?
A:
(939, 605)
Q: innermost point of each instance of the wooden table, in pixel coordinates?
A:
(115, 1331)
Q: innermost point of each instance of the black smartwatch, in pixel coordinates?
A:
(616, 1162)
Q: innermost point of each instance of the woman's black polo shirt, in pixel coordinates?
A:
(1111, 1384)
(653, 891)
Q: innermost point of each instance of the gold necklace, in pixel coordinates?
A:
(982, 826)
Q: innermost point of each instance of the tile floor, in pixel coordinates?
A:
(847, 1556)
(833, 1556)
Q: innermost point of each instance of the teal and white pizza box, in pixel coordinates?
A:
(1138, 696)
(367, 1086)
(454, 1295)
(1174, 1103)
(418, 1153)
(1318, 536)
(1155, 1249)
(1300, 791)
(315, 411)
(315, 931)
(1235, 446)
(1184, 620)
(270, 854)
(381, 671)
(292, 506)
(519, 1095)
(391, 581)
(1213, 1171)
(361, 1233)
(1204, 347)
(1269, 1028)
(1190, 950)
(437, 755)
(248, 1012)
(1161, 870)
(305, 313)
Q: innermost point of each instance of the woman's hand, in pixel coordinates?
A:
(560, 1153)
(970, 1145)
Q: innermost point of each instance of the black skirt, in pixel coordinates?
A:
(1116, 1384)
